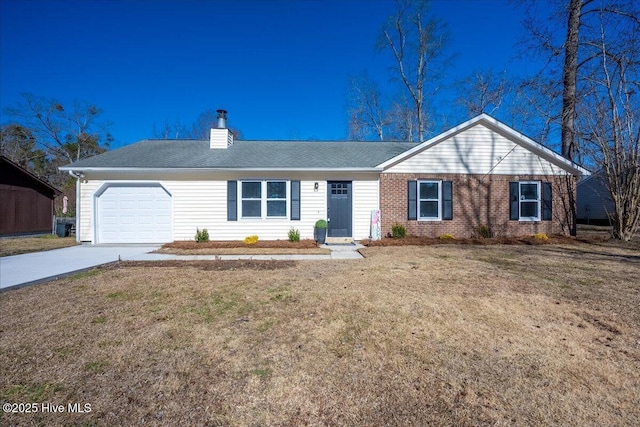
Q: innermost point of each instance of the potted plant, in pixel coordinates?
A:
(320, 231)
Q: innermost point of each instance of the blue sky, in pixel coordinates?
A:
(279, 67)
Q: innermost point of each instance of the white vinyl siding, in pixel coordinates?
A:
(365, 199)
(195, 205)
(477, 150)
(202, 203)
(85, 228)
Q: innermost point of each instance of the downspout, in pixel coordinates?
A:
(77, 177)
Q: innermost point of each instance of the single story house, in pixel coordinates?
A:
(26, 201)
(594, 203)
(481, 172)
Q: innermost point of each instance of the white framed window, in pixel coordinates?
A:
(264, 199)
(529, 200)
(429, 200)
(251, 199)
(276, 199)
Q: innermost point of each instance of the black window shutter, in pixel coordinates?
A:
(295, 200)
(232, 200)
(514, 203)
(447, 200)
(412, 194)
(546, 201)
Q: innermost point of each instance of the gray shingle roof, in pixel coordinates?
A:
(189, 154)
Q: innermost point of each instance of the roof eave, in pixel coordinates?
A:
(55, 190)
(187, 170)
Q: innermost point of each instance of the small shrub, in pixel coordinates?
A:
(398, 231)
(321, 223)
(251, 240)
(294, 235)
(484, 231)
(541, 236)
(202, 235)
(447, 237)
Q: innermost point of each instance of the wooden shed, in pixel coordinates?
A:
(26, 201)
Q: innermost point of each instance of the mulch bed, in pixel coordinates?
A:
(279, 244)
(213, 265)
(522, 240)
(387, 241)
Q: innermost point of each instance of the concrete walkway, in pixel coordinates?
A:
(337, 252)
(29, 269)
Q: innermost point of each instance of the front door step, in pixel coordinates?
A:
(339, 240)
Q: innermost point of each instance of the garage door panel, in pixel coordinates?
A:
(127, 220)
(145, 220)
(110, 204)
(134, 214)
(146, 235)
(165, 223)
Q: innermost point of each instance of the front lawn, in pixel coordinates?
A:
(23, 245)
(418, 335)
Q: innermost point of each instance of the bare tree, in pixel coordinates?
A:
(482, 92)
(175, 130)
(578, 11)
(611, 125)
(404, 122)
(570, 78)
(18, 145)
(66, 134)
(574, 63)
(368, 117)
(200, 129)
(417, 42)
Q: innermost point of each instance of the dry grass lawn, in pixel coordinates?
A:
(23, 245)
(409, 336)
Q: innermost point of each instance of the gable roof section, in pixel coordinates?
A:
(248, 155)
(295, 155)
(36, 182)
(500, 128)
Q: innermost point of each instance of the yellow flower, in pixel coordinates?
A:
(250, 240)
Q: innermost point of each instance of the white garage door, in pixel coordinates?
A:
(134, 214)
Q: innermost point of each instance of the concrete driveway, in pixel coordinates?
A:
(28, 269)
(33, 268)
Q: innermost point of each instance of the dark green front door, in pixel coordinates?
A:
(339, 215)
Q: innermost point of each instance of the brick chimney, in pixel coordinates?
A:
(221, 138)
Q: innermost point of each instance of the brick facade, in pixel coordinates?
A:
(477, 200)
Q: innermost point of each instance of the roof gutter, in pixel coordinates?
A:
(78, 177)
(77, 171)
